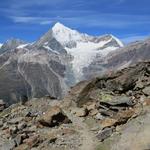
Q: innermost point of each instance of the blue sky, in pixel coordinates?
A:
(129, 20)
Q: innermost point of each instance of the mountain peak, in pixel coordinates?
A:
(59, 26)
(64, 34)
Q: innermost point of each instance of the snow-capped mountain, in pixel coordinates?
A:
(51, 64)
(69, 38)
(59, 59)
(82, 47)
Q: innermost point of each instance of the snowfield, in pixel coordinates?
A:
(85, 49)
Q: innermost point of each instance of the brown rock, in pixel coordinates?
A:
(54, 117)
(22, 147)
(123, 116)
(120, 118)
(108, 122)
(80, 112)
(146, 102)
(32, 141)
(93, 112)
(92, 106)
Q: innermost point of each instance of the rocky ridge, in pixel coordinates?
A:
(109, 112)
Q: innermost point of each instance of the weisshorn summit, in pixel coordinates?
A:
(58, 60)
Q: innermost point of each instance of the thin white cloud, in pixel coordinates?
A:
(87, 19)
(32, 20)
(120, 1)
(28, 3)
(21, 12)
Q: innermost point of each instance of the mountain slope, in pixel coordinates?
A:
(129, 55)
(25, 73)
(50, 65)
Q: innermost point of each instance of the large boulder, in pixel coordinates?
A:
(53, 117)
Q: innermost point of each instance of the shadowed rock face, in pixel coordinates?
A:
(135, 79)
(49, 41)
(30, 74)
(32, 70)
(12, 84)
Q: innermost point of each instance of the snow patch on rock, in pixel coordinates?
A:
(84, 54)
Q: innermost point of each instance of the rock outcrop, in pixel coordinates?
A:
(53, 117)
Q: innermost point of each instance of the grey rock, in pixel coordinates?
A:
(18, 140)
(13, 129)
(10, 45)
(5, 125)
(8, 145)
(99, 116)
(146, 91)
(122, 100)
(21, 125)
(1, 123)
(107, 132)
(15, 120)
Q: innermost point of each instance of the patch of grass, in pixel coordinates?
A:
(105, 97)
